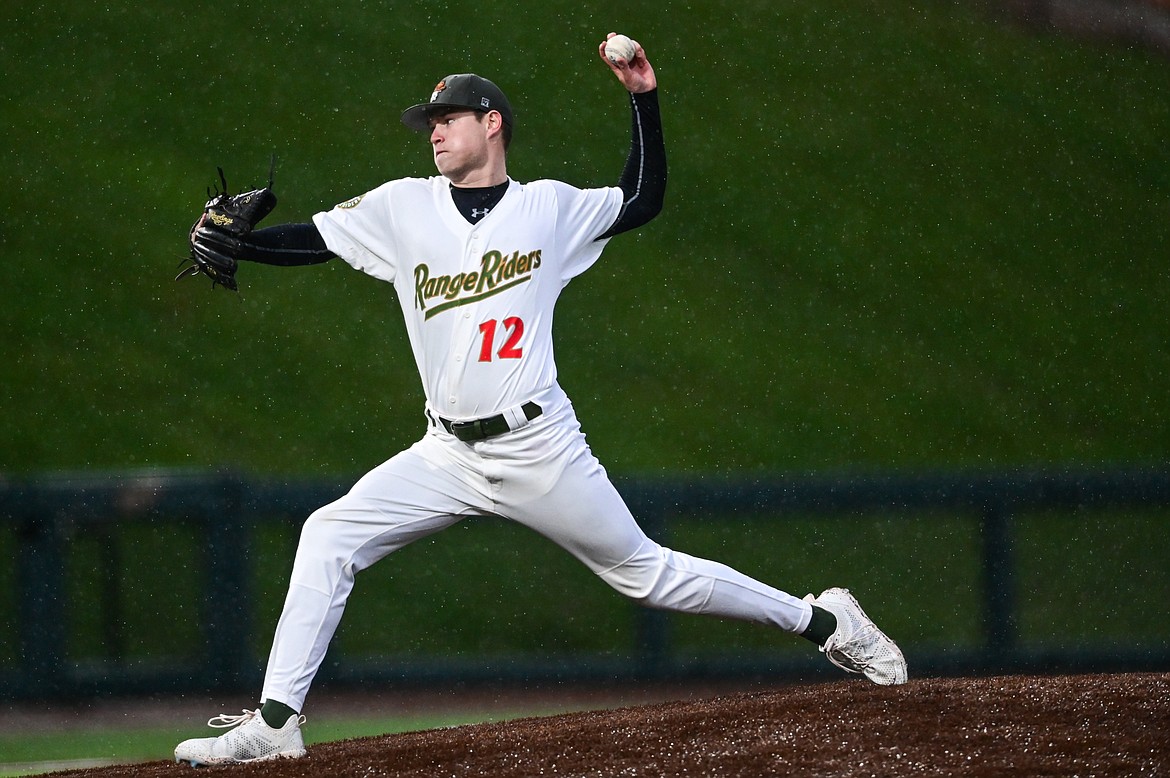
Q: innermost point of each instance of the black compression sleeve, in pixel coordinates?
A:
(643, 180)
(286, 244)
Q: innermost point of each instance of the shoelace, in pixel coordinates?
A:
(224, 721)
(860, 661)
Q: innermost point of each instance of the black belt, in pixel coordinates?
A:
(481, 429)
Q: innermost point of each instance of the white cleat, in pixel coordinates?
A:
(857, 645)
(250, 739)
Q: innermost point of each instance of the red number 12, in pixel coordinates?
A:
(510, 349)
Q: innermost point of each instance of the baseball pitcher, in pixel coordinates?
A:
(477, 261)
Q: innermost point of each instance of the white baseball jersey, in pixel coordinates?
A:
(478, 299)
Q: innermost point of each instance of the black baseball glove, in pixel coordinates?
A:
(215, 238)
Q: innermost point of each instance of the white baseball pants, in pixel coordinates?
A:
(543, 476)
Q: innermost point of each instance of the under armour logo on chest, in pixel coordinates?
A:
(479, 213)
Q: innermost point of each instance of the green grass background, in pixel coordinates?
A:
(29, 752)
(896, 237)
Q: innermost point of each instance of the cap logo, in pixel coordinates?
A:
(439, 87)
(486, 103)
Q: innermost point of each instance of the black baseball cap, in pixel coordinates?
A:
(462, 90)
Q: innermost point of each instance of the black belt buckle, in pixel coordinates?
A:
(467, 431)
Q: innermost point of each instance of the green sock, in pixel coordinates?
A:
(275, 714)
(820, 627)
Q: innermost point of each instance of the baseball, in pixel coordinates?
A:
(620, 47)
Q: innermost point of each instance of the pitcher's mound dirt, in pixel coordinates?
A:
(1089, 725)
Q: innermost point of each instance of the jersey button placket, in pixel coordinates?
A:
(464, 334)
